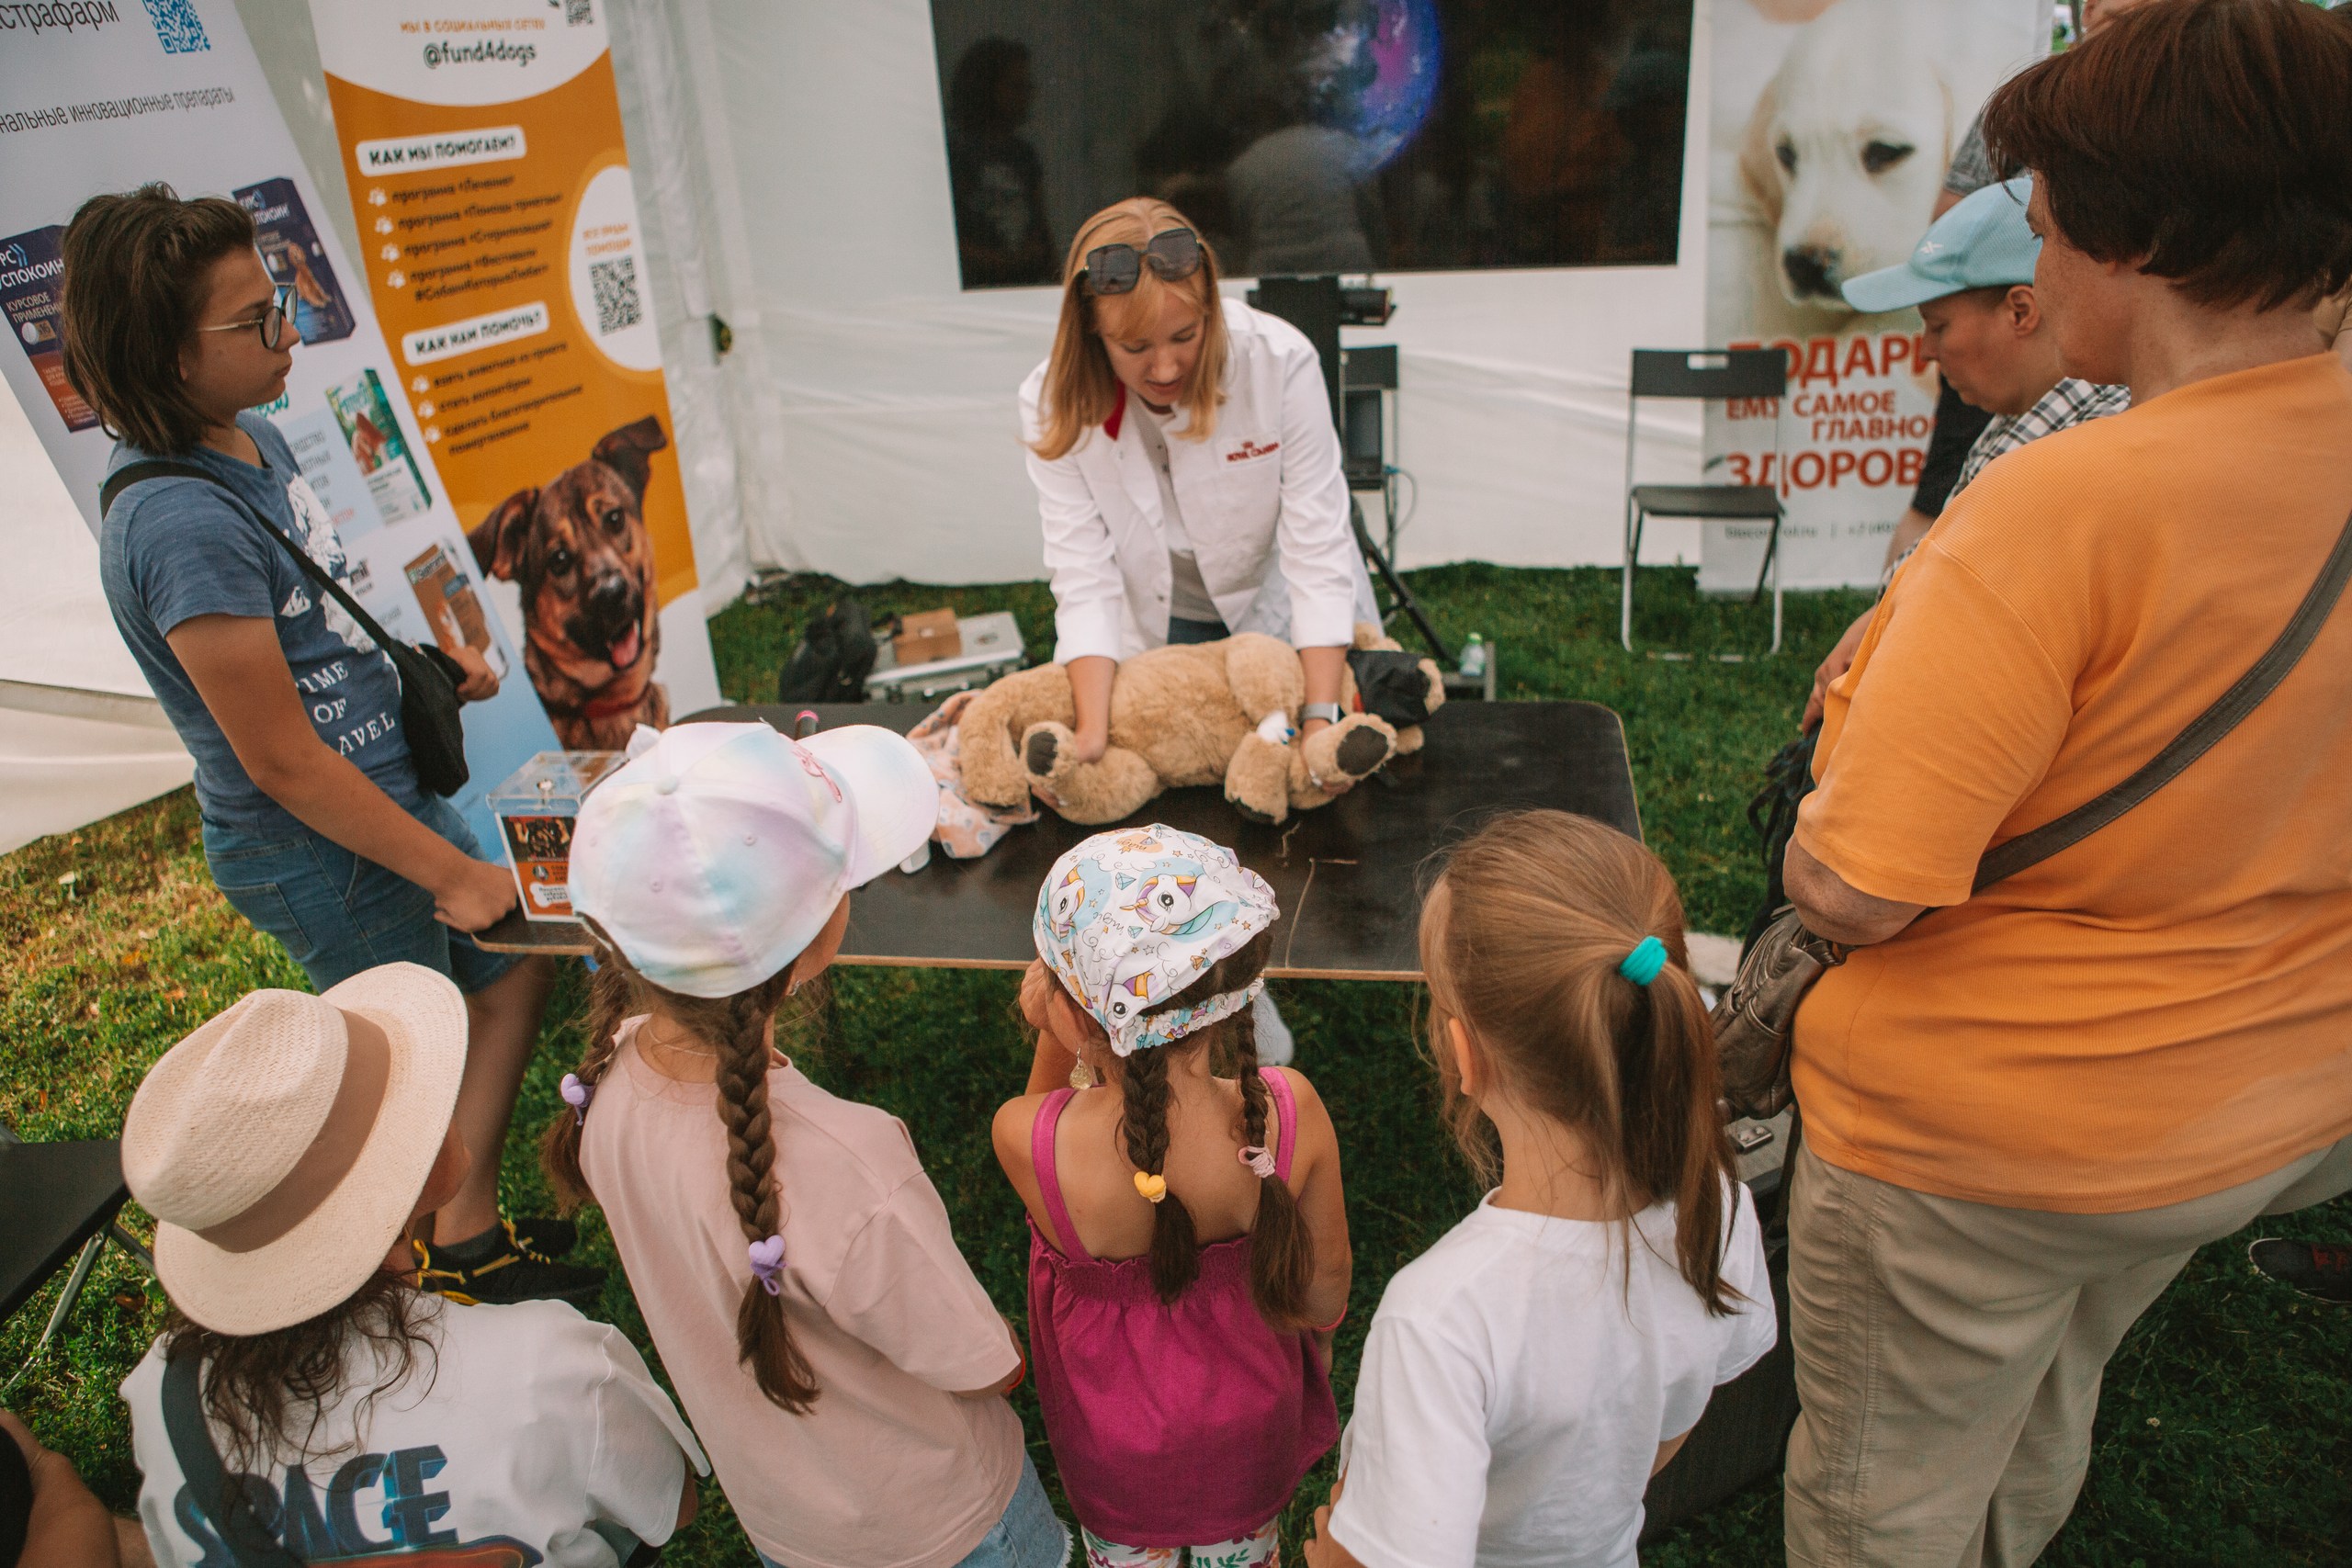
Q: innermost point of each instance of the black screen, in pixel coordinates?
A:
(1310, 136)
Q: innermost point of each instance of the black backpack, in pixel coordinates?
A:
(835, 656)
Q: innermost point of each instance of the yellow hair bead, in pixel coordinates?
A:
(1153, 1188)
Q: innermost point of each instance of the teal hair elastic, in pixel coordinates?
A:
(1645, 963)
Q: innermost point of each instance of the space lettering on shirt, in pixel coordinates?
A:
(404, 1507)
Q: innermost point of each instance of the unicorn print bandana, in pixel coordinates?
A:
(1130, 917)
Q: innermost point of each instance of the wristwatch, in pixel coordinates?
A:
(1328, 712)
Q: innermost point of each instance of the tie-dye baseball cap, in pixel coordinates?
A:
(717, 853)
(1130, 917)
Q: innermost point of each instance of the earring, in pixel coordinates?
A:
(792, 986)
(1081, 1075)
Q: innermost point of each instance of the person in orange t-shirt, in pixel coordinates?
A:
(2025, 1111)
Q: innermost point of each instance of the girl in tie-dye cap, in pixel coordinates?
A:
(1189, 1251)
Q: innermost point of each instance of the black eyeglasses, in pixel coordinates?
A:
(271, 324)
(1173, 254)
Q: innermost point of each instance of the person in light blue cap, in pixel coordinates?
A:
(1971, 279)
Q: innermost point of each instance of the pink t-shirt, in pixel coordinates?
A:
(889, 1469)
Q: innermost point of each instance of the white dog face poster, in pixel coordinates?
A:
(1833, 124)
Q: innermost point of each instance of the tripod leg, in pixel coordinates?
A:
(1401, 595)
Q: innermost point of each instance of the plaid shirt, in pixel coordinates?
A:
(2070, 403)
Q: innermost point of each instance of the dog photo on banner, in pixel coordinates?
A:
(1833, 124)
(487, 166)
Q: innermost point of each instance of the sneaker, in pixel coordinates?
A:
(495, 1267)
(2316, 1270)
(545, 1237)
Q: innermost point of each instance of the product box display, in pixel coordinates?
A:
(535, 809)
(987, 646)
(928, 636)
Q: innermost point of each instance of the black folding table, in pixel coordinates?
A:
(1348, 876)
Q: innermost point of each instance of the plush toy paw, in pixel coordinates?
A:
(1344, 752)
(1257, 781)
(1048, 752)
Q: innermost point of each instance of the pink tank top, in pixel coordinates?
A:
(1172, 1423)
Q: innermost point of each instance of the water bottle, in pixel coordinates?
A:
(1473, 658)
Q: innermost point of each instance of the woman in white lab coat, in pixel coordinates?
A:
(1188, 475)
(1187, 469)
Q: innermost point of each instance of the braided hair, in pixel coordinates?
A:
(1281, 1252)
(736, 1027)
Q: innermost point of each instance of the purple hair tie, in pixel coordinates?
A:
(767, 1264)
(1260, 1163)
(577, 1095)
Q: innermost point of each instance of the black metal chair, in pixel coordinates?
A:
(1710, 376)
(60, 1199)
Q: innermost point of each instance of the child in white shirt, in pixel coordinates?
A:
(1527, 1375)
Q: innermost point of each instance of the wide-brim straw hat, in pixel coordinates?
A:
(282, 1147)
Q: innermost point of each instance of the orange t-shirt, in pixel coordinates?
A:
(2165, 1010)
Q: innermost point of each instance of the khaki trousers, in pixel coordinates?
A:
(1949, 1355)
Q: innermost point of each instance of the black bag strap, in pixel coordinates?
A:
(2203, 733)
(249, 1542)
(130, 474)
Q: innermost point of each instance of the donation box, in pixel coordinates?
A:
(535, 809)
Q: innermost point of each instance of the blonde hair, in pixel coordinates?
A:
(1521, 938)
(1081, 390)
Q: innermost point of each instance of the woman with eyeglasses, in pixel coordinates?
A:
(1188, 475)
(316, 827)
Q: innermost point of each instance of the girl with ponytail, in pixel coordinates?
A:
(1189, 1252)
(1525, 1377)
(795, 1266)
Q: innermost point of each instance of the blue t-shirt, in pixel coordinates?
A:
(176, 548)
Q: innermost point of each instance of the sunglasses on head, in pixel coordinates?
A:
(1173, 254)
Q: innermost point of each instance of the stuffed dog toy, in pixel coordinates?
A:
(1208, 712)
(579, 550)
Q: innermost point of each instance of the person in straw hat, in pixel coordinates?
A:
(289, 1150)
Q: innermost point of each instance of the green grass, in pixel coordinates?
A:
(2224, 1431)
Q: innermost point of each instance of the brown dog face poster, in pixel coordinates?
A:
(482, 144)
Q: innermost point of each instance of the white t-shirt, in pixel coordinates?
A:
(527, 1426)
(1188, 596)
(1515, 1385)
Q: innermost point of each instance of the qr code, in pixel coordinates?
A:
(577, 13)
(178, 26)
(615, 283)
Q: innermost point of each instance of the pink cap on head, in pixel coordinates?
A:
(716, 854)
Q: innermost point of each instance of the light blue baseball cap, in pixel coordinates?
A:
(1983, 242)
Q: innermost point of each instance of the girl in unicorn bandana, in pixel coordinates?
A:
(1189, 1251)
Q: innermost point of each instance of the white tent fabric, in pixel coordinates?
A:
(80, 737)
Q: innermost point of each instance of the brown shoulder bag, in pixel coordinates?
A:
(1756, 1018)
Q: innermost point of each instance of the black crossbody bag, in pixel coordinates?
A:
(429, 678)
(1756, 1019)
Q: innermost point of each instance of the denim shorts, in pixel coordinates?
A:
(337, 914)
(1030, 1535)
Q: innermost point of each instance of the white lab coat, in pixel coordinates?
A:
(1265, 502)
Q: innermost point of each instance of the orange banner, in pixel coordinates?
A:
(499, 233)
